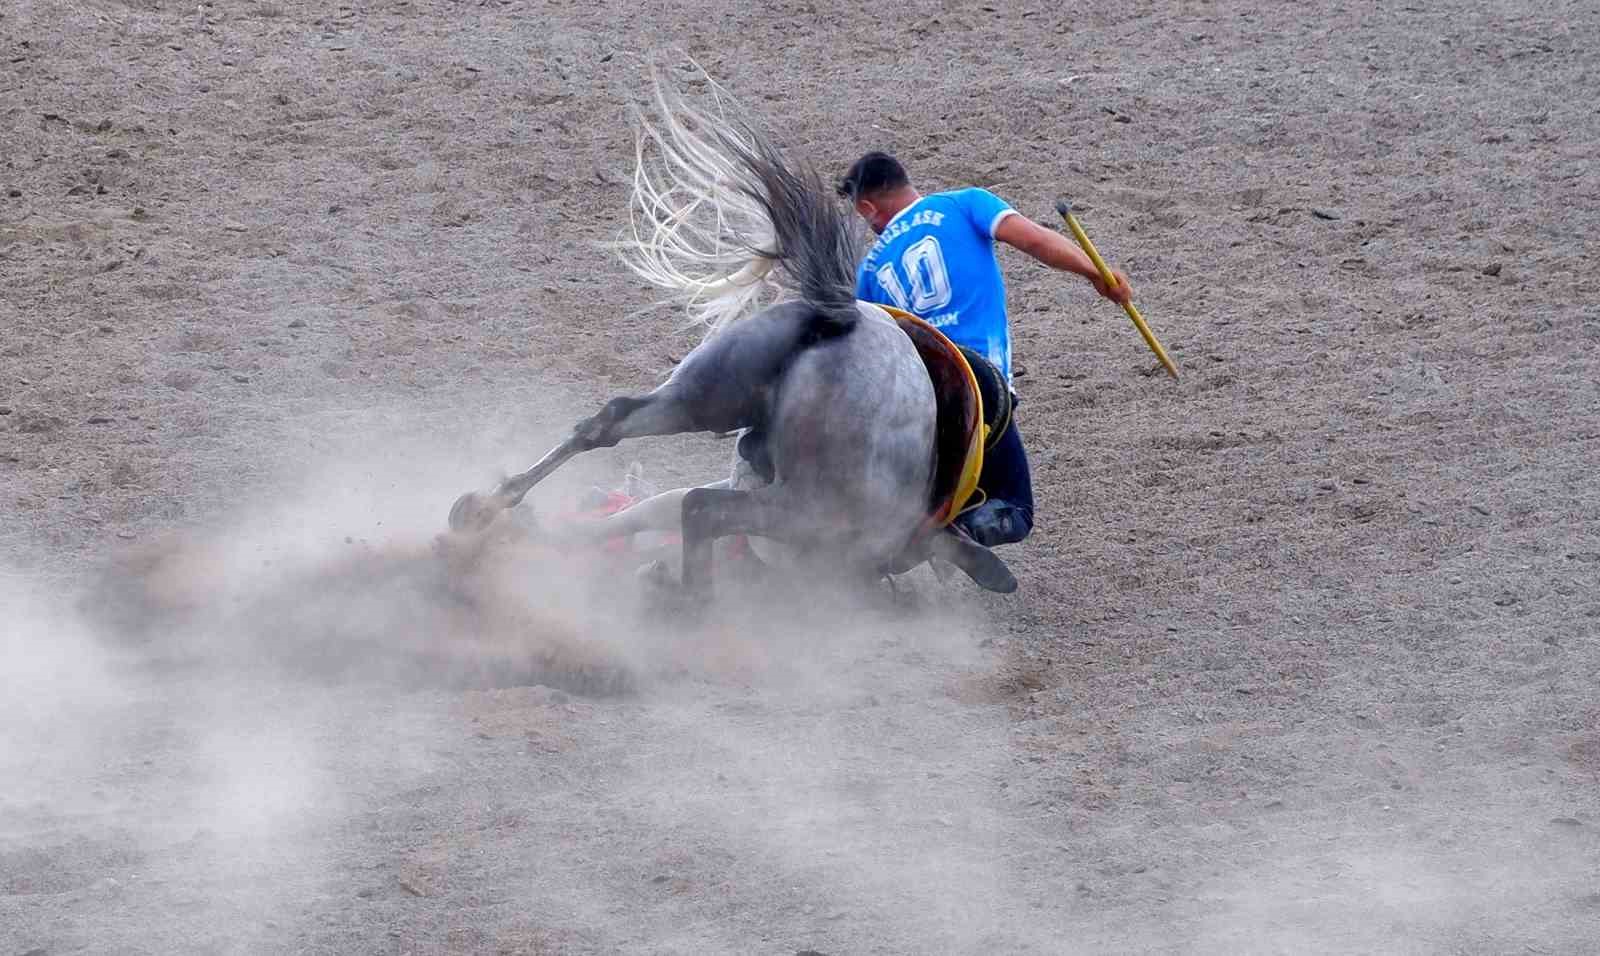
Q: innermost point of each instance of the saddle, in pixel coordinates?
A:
(974, 404)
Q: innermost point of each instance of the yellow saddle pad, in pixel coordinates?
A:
(961, 434)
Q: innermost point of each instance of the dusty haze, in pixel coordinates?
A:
(1304, 659)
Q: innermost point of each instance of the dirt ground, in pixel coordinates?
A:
(1305, 655)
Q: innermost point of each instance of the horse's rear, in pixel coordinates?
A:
(852, 435)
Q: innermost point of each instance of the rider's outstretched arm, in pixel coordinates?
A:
(1057, 251)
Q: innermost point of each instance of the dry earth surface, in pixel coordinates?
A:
(1305, 658)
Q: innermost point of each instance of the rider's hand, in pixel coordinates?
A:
(1121, 293)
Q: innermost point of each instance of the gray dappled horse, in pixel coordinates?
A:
(839, 391)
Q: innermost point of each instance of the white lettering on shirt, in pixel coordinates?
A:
(898, 228)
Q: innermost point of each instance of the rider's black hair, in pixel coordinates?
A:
(872, 174)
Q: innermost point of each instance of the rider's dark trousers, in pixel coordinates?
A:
(1006, 516)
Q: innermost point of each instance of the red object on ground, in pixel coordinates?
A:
(739, 546)
(614, 502)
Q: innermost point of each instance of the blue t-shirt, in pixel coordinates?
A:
(936, 260)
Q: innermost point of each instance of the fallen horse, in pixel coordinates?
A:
(872, 423)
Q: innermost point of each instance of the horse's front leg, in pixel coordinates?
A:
(712, 513)
(662, 512)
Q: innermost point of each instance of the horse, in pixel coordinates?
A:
(834, 387)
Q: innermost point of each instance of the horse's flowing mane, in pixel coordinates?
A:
(723, 222)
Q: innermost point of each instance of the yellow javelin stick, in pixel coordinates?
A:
(1065, 209)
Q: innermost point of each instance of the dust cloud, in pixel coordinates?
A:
(265, 728)
(306, 725)
(189, 731)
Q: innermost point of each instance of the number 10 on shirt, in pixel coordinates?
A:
(923, 263)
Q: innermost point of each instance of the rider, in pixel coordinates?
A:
(935, 257)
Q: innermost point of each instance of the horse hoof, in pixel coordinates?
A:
(471, 512)
(656, 577)
(665, 596)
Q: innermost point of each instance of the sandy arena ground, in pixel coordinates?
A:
(1305, 657)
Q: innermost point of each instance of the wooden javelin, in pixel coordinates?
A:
(1065, 209)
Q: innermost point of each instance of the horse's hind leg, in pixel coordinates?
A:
(712, 513)
(661, 412)
(665, 411)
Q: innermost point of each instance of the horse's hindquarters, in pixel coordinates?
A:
(852, 440)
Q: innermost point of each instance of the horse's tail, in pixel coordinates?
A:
(721, 220)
